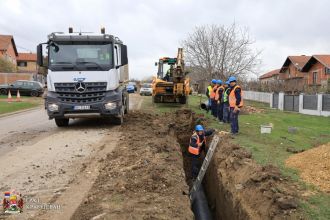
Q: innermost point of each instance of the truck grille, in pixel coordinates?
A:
(94, 92)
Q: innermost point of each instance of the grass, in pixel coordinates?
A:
(26, 103)
(272, 148)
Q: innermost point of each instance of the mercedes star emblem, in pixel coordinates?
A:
(80, 87)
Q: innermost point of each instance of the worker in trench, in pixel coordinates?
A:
(196, 146)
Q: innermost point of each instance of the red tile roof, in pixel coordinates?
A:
(5, 41)
(324, 59)
(270, 74)
(27, 57)
(298, 61)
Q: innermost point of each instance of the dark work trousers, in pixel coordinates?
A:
(234, 121)
(226, 114)
(220, 111)
(214, 107)
(196, 164)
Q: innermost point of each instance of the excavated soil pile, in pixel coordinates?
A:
(143, 178)
(251, 110)
(314, 166)
(238, 188)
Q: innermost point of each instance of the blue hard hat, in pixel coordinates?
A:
(214, 81)
(219, 81)
(232, 79)
(199, 128)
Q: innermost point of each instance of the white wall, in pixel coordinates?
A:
(258, 96)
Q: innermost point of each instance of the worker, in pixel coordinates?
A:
(196, 146)
(225, 94)
(214, 104)
(235, 103)
(218, 99)
(167, 75)
(209, 91)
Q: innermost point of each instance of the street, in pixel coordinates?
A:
(47, 163)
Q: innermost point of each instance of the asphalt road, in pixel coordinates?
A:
(48, 163)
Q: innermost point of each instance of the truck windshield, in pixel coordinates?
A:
(80, 56)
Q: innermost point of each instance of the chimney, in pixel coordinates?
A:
(70, 30)
(102, 30)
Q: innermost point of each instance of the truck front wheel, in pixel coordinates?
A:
(119, 119)
(62, 122)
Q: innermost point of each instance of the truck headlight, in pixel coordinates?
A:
(110, 105)
(53, 107)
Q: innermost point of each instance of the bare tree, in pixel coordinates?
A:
(220, 52)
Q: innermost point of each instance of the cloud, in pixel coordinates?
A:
(153, 29)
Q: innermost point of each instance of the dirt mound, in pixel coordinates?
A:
(314, 166)
(251, 110)
(246, 190)
(143, 178)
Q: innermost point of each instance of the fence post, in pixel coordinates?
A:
(281, 101)
(301, 102)
(319, 103)
(271, 98)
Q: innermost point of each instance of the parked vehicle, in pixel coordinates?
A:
(133, 84)
(130, 88)
(146, 89)
(25, 87)
(86, 75)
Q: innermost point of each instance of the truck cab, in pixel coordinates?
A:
(86, 75)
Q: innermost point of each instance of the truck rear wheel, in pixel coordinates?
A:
(62, 122)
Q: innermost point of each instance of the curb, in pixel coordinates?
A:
(17, 112)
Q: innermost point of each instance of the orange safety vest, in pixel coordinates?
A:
(232, 97)
(216, 97)
(212, 93)
(195, 150)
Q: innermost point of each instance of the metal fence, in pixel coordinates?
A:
(275, 100)
(318, 104)
(326, 102)
(291, 103)
(310, 102)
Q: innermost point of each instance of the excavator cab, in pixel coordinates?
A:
(173, 86)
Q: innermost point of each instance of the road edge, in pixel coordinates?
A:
(18, 112)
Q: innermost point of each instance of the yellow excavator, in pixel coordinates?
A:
(174, 86)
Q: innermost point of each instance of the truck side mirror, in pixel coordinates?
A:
(156, 64)
(40, 60)
(123, 51)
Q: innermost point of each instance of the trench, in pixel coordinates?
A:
(219, 200)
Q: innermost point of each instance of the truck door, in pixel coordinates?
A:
(117, 60)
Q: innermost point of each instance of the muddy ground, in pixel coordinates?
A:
(142, 178)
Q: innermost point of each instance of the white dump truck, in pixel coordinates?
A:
(86, 76)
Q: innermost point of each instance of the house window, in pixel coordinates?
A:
(314, 77)
(22, 64)
(327, 70)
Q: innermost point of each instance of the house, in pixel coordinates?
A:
(27, 62)
(317, 71)
(8, 50)
(295, 80)
(270, 76)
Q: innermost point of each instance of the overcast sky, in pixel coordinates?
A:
(155, 28)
